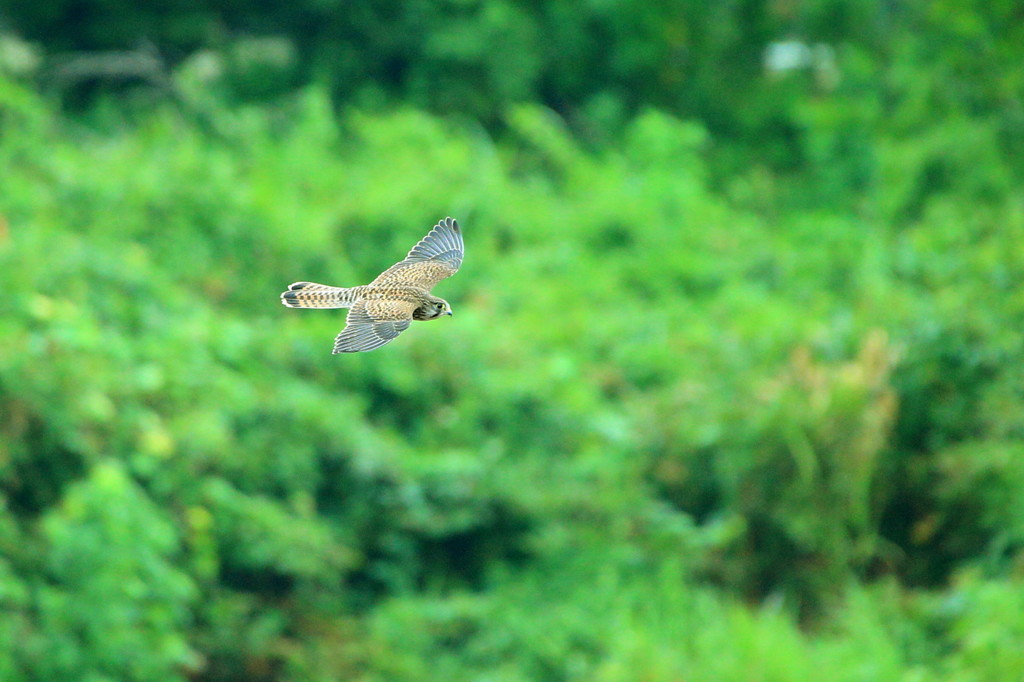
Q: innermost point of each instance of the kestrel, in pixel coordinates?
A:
(384, 308)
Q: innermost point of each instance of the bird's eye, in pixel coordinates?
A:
(440, 306)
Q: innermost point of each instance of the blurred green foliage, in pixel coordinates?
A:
(734, 389)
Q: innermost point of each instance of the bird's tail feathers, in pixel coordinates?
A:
(313, 295)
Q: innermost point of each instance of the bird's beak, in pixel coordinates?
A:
(449, 313)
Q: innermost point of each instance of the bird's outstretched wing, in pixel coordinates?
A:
(373, 323)
(436, 256)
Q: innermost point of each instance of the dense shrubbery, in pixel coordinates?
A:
(685, 424)
(597, 63)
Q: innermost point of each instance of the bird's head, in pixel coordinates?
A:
(432, 308)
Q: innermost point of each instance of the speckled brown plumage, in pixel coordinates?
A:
(384, 308)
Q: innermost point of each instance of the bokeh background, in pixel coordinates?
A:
(734, 388)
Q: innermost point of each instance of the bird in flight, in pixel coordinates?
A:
(384, 308)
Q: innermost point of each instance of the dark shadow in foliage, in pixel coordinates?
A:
(417, 533)
(33, 480)
(687, 484)
(941, 387)
(262, 581)
(614, 237)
